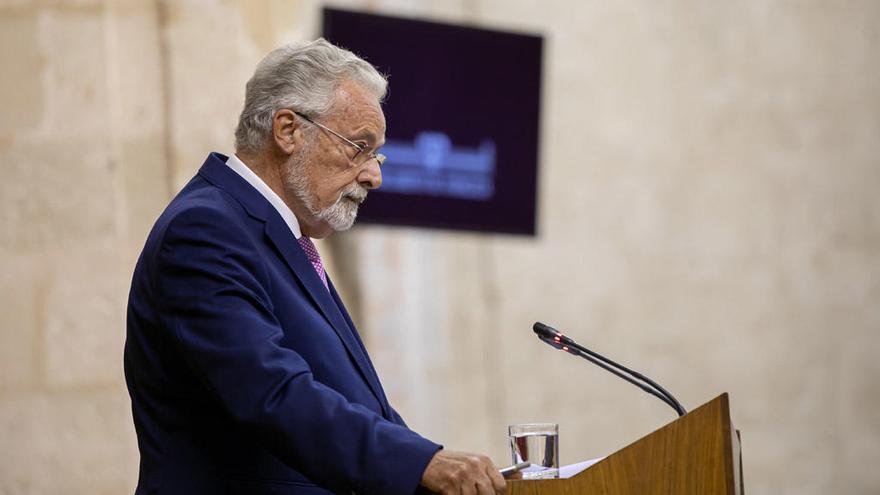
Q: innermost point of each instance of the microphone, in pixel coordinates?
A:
(551, 336)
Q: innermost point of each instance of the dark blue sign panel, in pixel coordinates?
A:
(462, 114)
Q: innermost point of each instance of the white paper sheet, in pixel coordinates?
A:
(573, 469)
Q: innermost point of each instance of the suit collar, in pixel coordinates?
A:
(271, 196)
(215, 171)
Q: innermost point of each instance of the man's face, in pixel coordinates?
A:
(323, 176)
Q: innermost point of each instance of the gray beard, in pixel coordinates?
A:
(341, 214)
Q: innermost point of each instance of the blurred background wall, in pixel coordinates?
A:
(708, 214)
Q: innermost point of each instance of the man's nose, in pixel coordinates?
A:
(371, 175)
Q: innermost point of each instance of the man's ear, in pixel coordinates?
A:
(285, 131)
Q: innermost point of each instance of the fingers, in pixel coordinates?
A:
(475, 477)
(499, 484)
(454, 473)
(487, 477)
(484, 487)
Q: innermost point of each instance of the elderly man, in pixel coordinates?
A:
(245, 371)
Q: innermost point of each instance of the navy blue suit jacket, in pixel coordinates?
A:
(246, 374)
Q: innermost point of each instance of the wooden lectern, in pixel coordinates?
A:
(697, 454)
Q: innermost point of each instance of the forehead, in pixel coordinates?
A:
(357, 109)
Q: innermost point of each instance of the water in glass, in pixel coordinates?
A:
(541, 448)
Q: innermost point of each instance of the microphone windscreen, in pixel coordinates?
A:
(543, 330)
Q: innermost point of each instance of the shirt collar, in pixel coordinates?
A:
(257, 183)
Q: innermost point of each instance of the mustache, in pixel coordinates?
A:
(356, 193)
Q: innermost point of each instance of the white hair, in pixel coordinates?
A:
(303, 77)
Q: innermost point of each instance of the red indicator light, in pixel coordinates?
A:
(556, 338)
(565, 348)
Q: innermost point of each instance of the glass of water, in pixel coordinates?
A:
(538, 444)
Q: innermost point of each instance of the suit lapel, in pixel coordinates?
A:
(367, 365)
(218, 173)
(280, 235)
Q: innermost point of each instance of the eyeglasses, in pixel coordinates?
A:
(361, 148)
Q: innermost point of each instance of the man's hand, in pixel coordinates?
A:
(454, 473)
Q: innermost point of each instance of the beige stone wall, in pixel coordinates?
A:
(708, 214)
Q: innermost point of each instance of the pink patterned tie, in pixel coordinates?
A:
(315, 258)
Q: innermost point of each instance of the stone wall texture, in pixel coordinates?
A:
(709, 213)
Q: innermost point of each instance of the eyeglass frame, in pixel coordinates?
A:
(361, 148)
